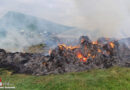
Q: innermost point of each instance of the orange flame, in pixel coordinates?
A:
(99, 50)
(93, 56)
(112, 44)
(89, 55)
(61, 46)
(87, 52)
(81, 57)
(95, 42)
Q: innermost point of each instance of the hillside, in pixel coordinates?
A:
(18, 30)
(19, 21)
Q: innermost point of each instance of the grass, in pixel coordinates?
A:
(39, 48)
(115, 78)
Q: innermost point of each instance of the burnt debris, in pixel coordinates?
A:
(103, 53)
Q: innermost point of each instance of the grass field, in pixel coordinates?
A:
(115, 78)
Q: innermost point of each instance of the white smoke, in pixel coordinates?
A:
(110, 17)
(18, 41)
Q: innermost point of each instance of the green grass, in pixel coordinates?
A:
(39, 48)
(116, 78)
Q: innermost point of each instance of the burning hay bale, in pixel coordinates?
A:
(102, 53)
(86, 56)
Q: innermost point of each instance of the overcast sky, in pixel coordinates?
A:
(108, 16)
(54, 10)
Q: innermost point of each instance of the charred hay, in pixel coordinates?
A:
(103, 53)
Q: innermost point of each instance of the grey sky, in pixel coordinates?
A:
(109, 16)
(54, 10)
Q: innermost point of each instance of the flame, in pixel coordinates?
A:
(84, 59)
(61, 46)
(81, 57)
(112, 44)
(87, 52)
(93, 56)
(89, 55)
(95, 42)
(99, 50)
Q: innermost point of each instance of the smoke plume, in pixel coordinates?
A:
(110, 17)
(95, 18)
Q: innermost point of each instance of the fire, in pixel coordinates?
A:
(112, 44)
(89, 55)
(84, 59)
(81, 57)
(61, 46)
(93, 56)
(99, 50)
(86, 53)
(95, 42)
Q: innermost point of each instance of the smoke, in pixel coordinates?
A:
(107, 18)
(110, 17)
(18, 41)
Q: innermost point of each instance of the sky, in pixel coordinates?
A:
(54, 10)
(110, 17)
